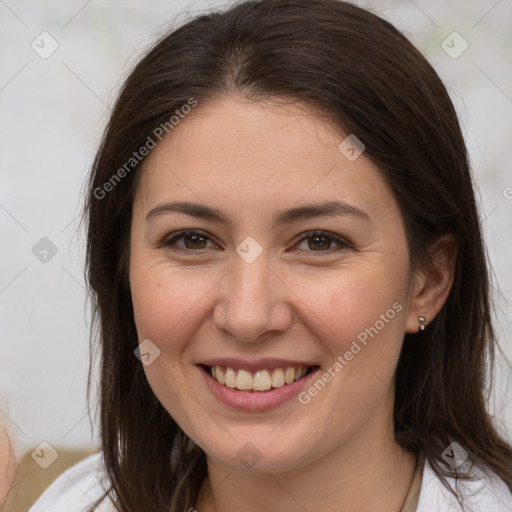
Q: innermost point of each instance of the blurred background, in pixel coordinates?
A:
(61, 64)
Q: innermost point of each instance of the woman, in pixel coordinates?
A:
(289, 277)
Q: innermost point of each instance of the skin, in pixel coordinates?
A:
(299, 299)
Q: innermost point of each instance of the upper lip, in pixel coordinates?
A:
(258, 364)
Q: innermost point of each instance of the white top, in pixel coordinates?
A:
(78, 487)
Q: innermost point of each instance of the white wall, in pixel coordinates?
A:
(51, 114)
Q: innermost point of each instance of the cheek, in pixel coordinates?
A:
(341, 304)
(163, 298)
(361, 316)
(166, 301)
(358, 315)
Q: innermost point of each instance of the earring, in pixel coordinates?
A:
(421, 320)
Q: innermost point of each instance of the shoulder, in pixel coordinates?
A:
(77, 489)
(484, 494)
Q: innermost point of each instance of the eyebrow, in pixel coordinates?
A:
(280, 218)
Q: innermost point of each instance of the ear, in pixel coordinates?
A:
(432, 283)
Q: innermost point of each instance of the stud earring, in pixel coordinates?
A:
(421, 320)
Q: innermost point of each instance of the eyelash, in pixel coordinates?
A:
(169, 243)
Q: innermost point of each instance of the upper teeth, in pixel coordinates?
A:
(262, 380)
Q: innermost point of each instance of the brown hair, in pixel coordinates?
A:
(357, 68)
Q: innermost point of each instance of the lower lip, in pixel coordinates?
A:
(257, 400)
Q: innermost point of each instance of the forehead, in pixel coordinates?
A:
(240, 153)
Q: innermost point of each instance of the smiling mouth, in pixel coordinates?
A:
(263, 380)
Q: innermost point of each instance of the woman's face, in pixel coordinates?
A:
(256, 292)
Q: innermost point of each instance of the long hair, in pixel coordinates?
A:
(361, 72)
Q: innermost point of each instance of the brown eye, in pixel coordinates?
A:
(192, 240)
(322, 242)
(319, 242)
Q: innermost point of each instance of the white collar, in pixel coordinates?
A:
(486, 494)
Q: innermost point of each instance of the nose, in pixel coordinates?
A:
(252, 302)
